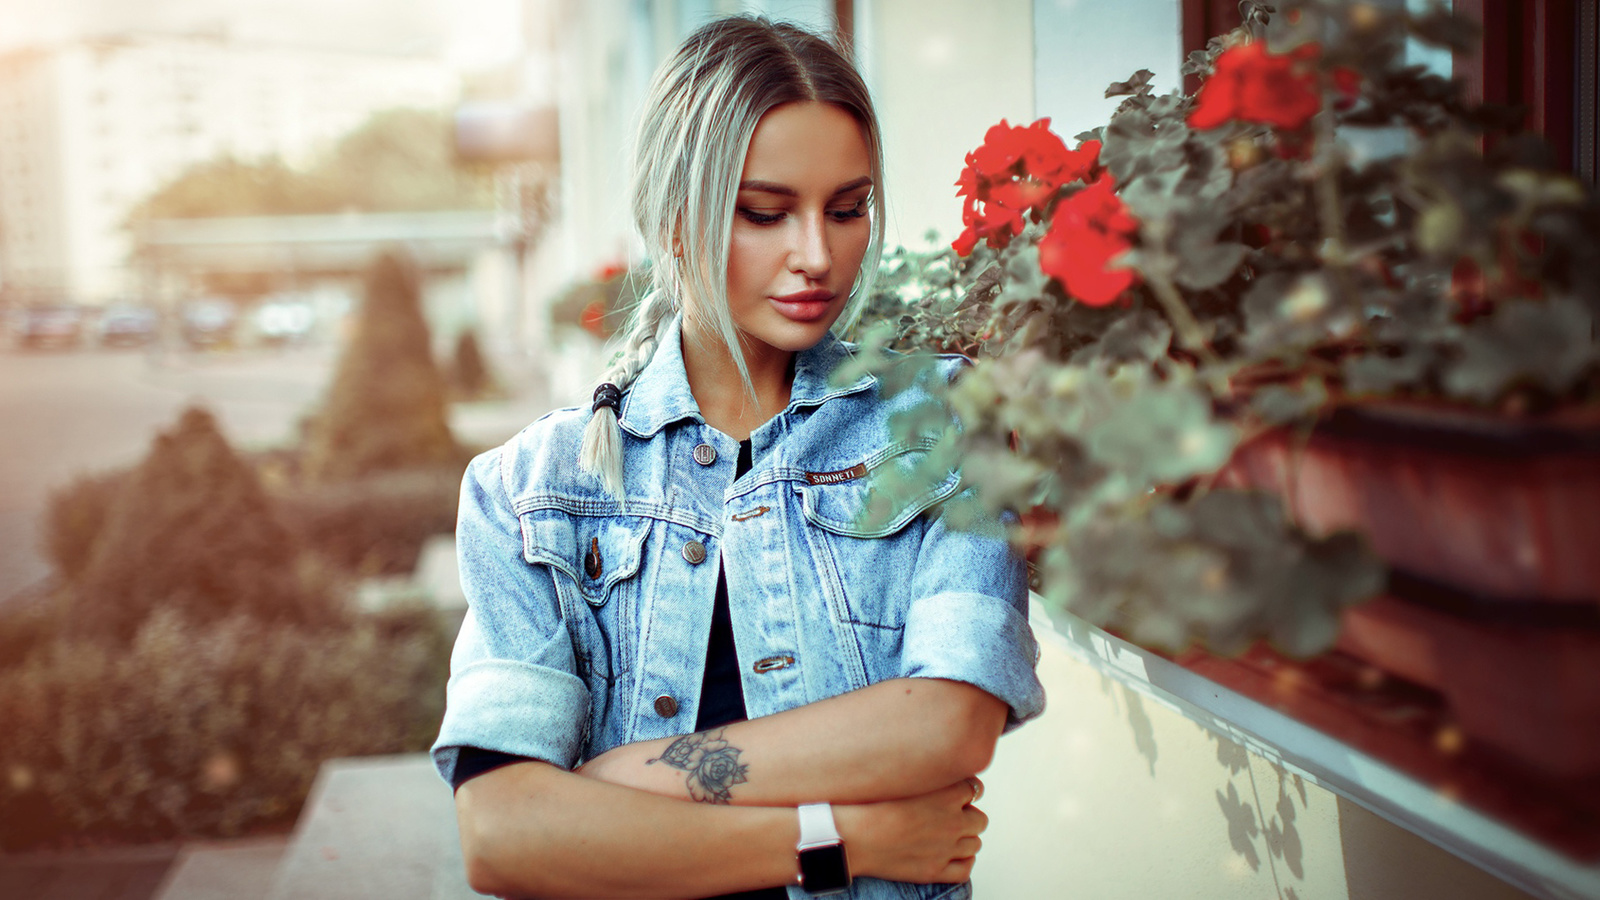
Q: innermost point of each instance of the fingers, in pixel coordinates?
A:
(977, 821)
(958, 870)
(977, 788)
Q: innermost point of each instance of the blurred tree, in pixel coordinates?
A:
(400, 160)
(189, 529)
(386, 407)
(470, 378)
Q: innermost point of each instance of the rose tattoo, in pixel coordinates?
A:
(712, 763)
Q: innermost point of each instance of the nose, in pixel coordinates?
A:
(810, 255)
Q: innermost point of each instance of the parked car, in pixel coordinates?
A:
(128, 325)
(284, 319)
(56, 325)
(209, 322)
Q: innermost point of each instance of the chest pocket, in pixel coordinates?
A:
(601, 559)
(864, 530)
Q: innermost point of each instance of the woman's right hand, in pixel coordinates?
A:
(928, 839)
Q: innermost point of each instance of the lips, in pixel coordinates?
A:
(804, 306)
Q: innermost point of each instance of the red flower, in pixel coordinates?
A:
(1252, 85)
(1347, 84)
(610, 271)
(593, 318)
(1088, 230)
(1017, 169)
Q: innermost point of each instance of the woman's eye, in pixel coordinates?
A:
(845, 215)
(760, 218)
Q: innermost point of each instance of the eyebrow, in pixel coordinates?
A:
(768, 187)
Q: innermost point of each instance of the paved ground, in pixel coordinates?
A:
(132, 873)
(66, 414)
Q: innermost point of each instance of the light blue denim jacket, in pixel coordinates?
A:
(584, 612)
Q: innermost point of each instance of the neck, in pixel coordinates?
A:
(719, 391)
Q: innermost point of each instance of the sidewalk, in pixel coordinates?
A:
(127, 873)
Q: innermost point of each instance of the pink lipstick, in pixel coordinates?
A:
(804, 306)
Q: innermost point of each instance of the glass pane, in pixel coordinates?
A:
(1081, 46)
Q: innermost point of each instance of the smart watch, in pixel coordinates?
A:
(824, 869)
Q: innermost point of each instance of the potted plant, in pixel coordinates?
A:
(1241, 352)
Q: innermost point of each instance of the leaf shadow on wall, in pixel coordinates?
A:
(1144, 731)
(1247, 821)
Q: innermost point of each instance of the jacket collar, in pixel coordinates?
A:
(661, 396)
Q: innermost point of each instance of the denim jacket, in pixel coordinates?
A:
(589, 618)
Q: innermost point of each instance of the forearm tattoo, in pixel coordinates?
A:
(712, 763)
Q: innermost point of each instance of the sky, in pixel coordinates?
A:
(464, 31)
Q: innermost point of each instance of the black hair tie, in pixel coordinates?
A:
(607, 394)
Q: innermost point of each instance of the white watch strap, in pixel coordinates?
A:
(816, 825)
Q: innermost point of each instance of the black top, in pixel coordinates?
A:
(721, 696)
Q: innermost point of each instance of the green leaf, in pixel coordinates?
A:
(1203, 264)
(1138, 84)
(1547, 344)
(1279, 404)
(1377, 374)
(1162, 435)
(1141, 337)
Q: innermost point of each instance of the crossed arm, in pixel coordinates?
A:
(892, 757)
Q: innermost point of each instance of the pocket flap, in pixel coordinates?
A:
(890, 493)
(596, 552)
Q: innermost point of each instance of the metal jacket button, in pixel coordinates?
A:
(694, 552)
(666, 707)
(705, 454)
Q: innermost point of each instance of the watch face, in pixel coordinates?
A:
(824, 869)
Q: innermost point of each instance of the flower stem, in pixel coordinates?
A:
(1191, 336)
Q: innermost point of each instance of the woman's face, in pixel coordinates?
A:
(800, 226)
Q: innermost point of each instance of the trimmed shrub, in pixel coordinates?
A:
(189, 529)
(386, 407)
(204, 729)
(470, 378)
(74, 519)
(374, 525)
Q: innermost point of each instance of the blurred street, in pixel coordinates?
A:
(68, 414)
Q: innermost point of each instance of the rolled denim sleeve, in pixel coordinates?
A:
(512, 685)
(969, 622)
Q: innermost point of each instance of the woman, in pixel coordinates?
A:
(674, 587)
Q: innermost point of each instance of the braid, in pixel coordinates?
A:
(601, 454)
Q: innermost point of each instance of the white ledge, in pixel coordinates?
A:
(1362, 779)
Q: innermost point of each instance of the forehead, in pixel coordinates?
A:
(807, 146)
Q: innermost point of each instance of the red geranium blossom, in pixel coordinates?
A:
(1017, 169)
(1088, 230)
(593, 318)
(1252, 85)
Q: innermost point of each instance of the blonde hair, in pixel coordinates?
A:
(703, 107)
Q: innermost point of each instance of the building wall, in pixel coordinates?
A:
(1112, 793)
(941, 73)
(120, 117)
(32, 228)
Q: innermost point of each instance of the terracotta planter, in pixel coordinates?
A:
(1531, 692)
(1489, 505)
(1492, 529)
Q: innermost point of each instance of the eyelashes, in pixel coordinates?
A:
(838, 215)
(758, 218)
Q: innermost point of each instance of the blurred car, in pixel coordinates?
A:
(209, 322)
(284, 320)
(128, 325)
(57, 325)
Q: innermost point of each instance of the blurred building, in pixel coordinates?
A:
(88, 128)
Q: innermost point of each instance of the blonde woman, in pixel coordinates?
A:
(689, 668)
